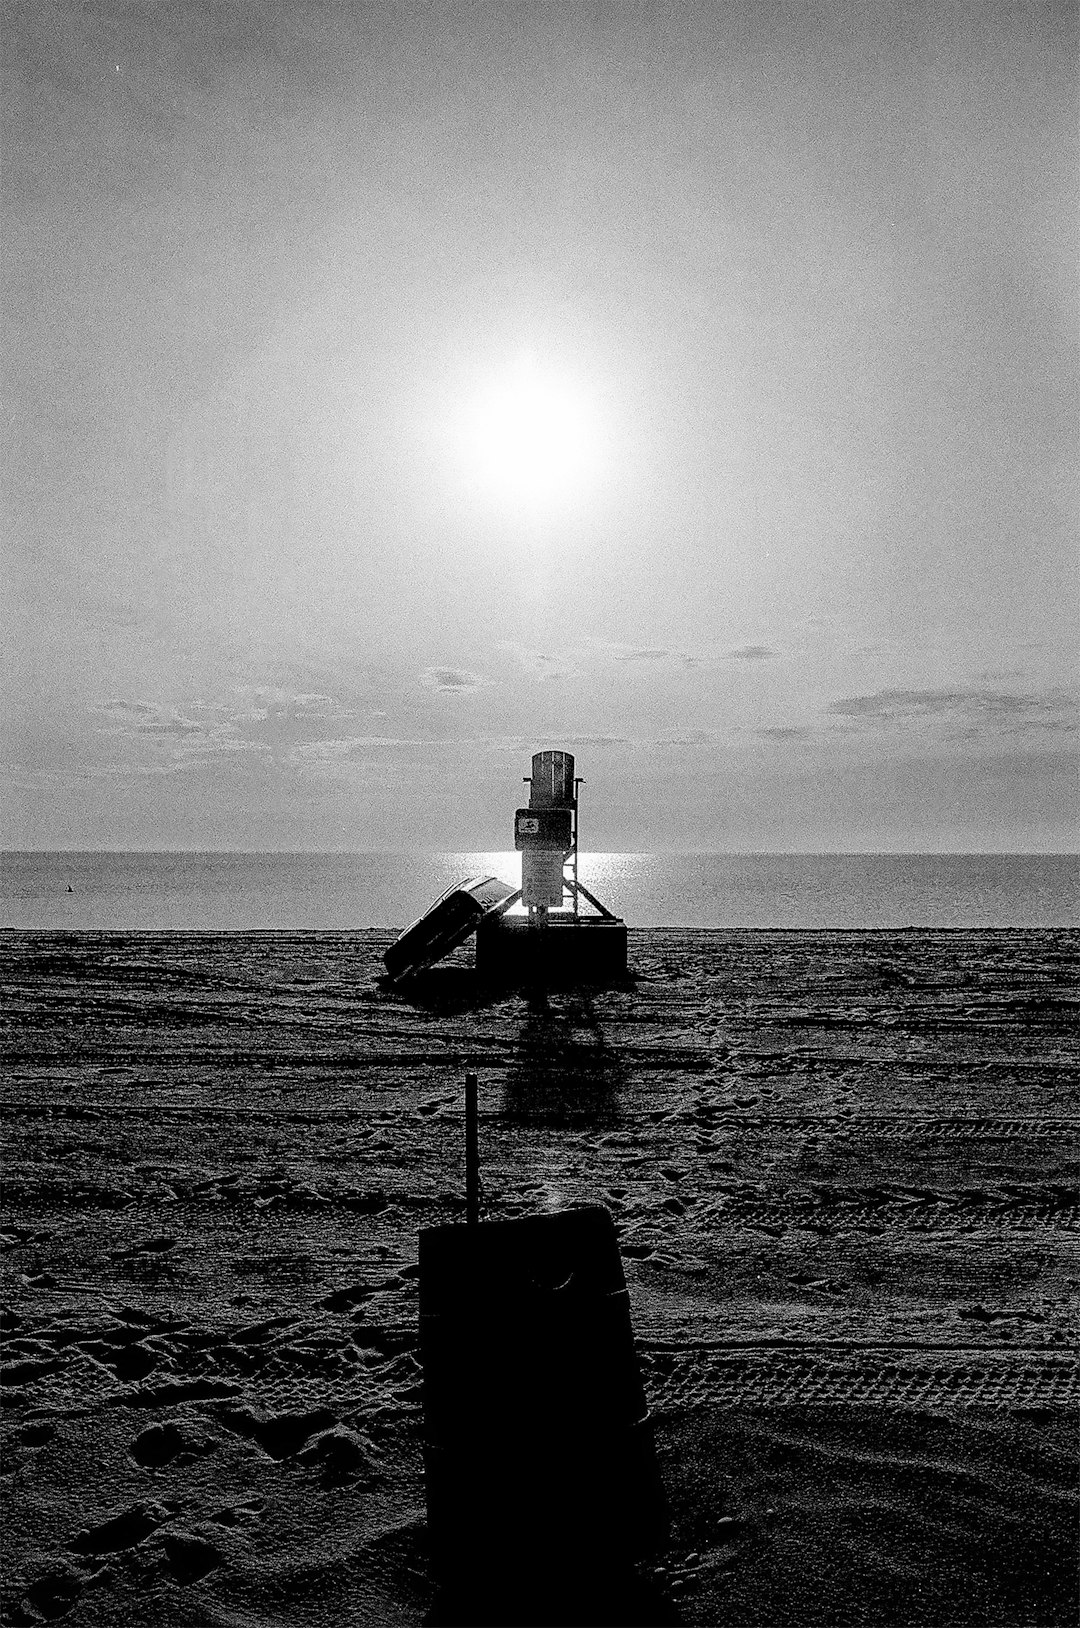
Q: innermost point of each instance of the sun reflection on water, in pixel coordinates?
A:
(611, 876)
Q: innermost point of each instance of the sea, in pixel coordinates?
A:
(222, 892)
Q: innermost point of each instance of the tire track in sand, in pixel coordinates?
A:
(933, 1379)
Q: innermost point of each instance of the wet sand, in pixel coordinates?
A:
(843, 1172)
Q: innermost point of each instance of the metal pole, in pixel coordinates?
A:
(472, 1152)
(577, 797)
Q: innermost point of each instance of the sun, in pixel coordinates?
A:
(530, 436)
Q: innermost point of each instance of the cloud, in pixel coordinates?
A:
(783, 732)
(172, 726)
(25, 777)
(963, 713)
(753, 652)
(266, 701)
(689, 737)
(450, 680)
(136, 708)
(542, 664)
(135, 717)
(610, 650)
(225, 746)
(885, 706)
(293, 701)
(126, 771)
(641, 655)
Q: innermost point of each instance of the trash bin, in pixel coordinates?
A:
(538, 1449)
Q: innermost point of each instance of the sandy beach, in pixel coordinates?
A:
(842, 1168)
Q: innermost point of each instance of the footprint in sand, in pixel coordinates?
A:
(190, 1556)
(163, 1444)
(260, 1333)
(340, 1455)
(36, 1435)
(130, 1363)
(280, 1435)
(52, 1595)
(122, 1531)
(344, 1299)
(157, 1446)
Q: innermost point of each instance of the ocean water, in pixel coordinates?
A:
(222, 892)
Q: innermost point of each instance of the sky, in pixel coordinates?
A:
(390, 391)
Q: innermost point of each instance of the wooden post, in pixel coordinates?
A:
(472, 1152)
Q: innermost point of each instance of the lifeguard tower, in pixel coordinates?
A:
(555, 940)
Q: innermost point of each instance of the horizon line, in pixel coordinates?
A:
(669, 853)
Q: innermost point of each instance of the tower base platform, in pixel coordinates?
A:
(568, 950)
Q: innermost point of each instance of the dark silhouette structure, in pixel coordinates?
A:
(541, 1475)
(554, 942)
(551, 944)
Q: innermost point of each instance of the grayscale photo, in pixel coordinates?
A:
(540, 830)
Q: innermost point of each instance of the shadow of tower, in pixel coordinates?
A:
(563, 1072)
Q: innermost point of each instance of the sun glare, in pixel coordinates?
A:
(530, 436)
